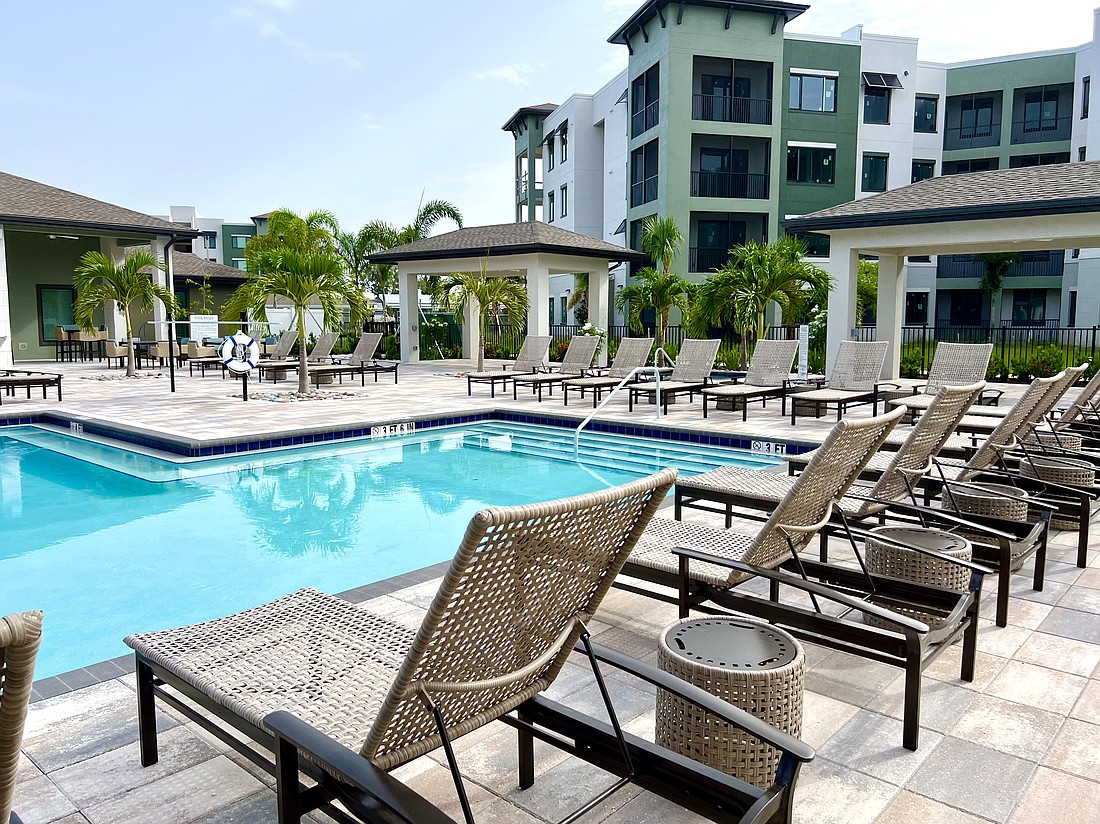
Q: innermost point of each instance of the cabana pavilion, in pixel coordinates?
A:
(532, 250)
(1026, 209)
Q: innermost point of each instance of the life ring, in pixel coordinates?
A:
(240, 353)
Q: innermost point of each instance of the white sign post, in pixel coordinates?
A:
(803, 352)
(240, 354)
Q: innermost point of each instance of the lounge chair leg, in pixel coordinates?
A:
(970, 643)
(910, 732)
(460, 787)
(1004, 584)
(147, 715)
(1083, 516)
(526, 757)
(286, 783)
(1041, 562)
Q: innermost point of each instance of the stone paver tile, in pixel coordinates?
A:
(250, 810)
(822, 716)
(941, 703)
(649, 809)
(492, 762)
(113, 773)
(568, 786)
(1021, 587)
(435, 784)
(1072, 623)
(973, 778)
(1002, 641)
(828, 793)
(1083, 599)
(849, 678)
(39, 801)
(25, 769)
(1076, 749)
(1087, 707)
(627, 639)
(628, 701)
(1037, 687)
(871, 743)
(1055, 796)
(910, 808)
(184, 796)
(1089, 578)
(1012, 728)
(79, 725)
(1055, 652)
(948, 666)
(1021, 613)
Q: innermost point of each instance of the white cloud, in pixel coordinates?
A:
(281, 5)
(369, 123)
(514, 74)
(303, 50)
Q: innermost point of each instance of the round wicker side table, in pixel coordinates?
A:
(909, 565)
(1064, 471)
(750, 664)
(1062, 440)
(990, 501)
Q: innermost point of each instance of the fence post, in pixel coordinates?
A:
(1004, 360)
(1092, 348)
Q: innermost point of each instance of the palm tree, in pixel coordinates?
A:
(997, 265)
(578, 299)
(314, 232)
(99, 281)
(757, 276)
(866, 291)
(653, 290)
(661, 240)
(491, 294)
(301, 278)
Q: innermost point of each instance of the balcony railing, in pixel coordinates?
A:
(646, 119)
(731, 109)
(643, 192)
(1035, 265)
(972, 137)
(706, 259)
(1040, 131)
(522, 188)
(729, 184)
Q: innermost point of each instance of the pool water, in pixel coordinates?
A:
(109, 542)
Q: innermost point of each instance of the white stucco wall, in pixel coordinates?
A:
(5, 315)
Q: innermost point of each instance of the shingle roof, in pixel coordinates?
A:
(506, 239)
(190, 265)
(1035, 190)
(30, 203)
(654, 8)
(541, 108)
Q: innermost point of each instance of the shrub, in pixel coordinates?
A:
(729, 357)
(997, 370)
(1046, 361)
(392, 345)
(911, 365)
(557, 349)
(1021, 369)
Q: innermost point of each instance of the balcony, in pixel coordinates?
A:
(1041, 131)
(523, 190)
(729, 184)
(644, 191)
(646, 119)
(1032, 264)
(707, 259)
(722, 109)
(972, 137)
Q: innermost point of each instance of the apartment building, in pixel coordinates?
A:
(733, 125)
(221, 241)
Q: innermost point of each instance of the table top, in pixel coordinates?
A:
(731, 643)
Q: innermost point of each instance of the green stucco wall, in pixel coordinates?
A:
(839, 128)
(32, 260)
(228, 230)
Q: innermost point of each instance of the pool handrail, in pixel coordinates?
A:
(629, 376)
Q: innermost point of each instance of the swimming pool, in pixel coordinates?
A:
(109, 541)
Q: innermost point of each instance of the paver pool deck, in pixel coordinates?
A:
(1019, 744)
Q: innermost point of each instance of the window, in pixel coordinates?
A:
(183, 299)
(55, 308)
(1072, 320)
(817, 246)
(240, 263)
(1041, 110)
(958, 167)
(813, 93)
(976, 117)
(564, 308)
(1029, 306)
(1020, 161)
(209, 241)
(549, 153)
(551, 311)
(924, 119)
(916, 308)
(1081, 154)
(564, 201)
(1086, 83)
(811, 164)
(874, 173)
(919, 259)
(238, 241)
(549, 207)
(643, 174)
(645, 101)
(923, 170)
(876, 105)
(564, 137)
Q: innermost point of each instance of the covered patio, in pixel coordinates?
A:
(531, 250)
(1012, 210)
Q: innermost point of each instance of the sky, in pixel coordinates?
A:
(359, 107)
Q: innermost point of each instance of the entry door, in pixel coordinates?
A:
(714, 167)
(714, 244)
(717, 88)
(739, 168)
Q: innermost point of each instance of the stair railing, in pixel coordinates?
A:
(655, 371)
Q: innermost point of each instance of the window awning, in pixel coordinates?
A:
(875, 80)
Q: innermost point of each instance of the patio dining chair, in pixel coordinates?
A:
(954, 364)
(530, 358)
(905, 624)
(769, 370)
(855, 380)
(576, 363)
(344, 695)
(694, 363)
(20, 636)
(632, 354)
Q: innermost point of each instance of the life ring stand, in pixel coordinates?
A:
(240, 353)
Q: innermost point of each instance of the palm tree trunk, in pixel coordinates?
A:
(303, 359)
(130, 369)
(483, 322)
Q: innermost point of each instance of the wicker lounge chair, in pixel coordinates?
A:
(20, 635)
(576, 363)
(531, 358)
(345, 695)
(359, 363)
(12, 379)
(320, 353)
(705, 566)
(769, 370)
(955, 364)
(691, 373)
(855, 380)
(632, 354)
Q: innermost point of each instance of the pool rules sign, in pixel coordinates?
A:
(240, 353)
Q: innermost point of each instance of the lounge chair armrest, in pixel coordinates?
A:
(964, 485)
(948, 517)
(402, 803)
(1047, 486)
(881, 385)
(704, 700)
(931, 553)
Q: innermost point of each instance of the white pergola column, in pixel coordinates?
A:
(408, 302)
(471, 324)
(160, 314)
(112, 317)
(891, 298)
(6, 356)
(538, 293)
(597, 305)
(842, 301)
